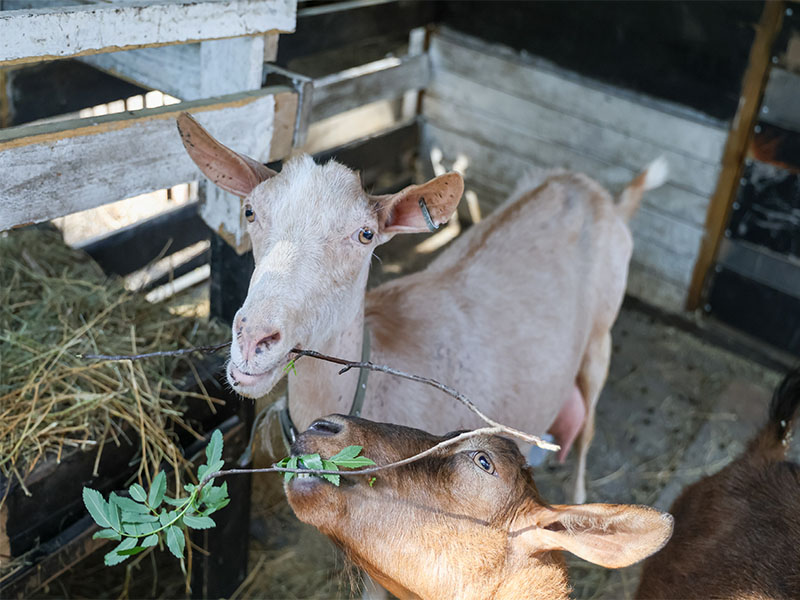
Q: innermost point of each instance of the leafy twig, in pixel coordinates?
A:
(347, 365)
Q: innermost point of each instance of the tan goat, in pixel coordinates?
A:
(516, 313)
(465, 522)
(737, 533)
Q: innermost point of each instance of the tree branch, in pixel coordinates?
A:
(347, 365)
(205, 349)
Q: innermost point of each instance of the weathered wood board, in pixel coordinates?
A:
(59, 168)
(663, 123)
(192, 71)
(499, 115)
(31, 35)
(384, 79)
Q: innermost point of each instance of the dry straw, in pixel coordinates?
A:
(55, 304)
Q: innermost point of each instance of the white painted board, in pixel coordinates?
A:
(59, 168)
(28, 35)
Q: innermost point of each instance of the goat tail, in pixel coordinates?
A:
(772, 441)
(653, 176)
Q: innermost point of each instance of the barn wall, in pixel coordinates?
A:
(505, 112)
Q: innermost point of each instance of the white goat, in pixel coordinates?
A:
(516, 313)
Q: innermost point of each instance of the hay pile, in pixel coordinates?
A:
(56, 303)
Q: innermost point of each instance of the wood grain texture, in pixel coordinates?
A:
(609, 165)
(663, 246)
(640, 117)
(736, 146)
(28, 35)
(384, 79)
(60, 168)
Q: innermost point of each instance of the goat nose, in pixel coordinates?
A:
(265, 342)
(324, 427)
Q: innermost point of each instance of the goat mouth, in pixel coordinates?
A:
(240, 378)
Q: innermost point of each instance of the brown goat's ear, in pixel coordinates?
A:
(233, 172)
(610, 535)
(405, 211)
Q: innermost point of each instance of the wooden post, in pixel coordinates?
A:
(5, 100)
(719, 209)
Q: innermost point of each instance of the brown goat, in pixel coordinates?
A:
(737, 533)
(465, 522)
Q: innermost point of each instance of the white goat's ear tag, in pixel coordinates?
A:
(609, 535)
(423, 207)
(233, 172)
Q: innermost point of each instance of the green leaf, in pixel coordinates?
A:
(165, 517)
(130, 552)
(282, 462)
(212, 494)
(347, 453)
(311, 461)
(137, 492)
(189, 487)
(198, 522)
(96, 506)
(175, 540)
(292, 464)
(220, 505)
(139, 529)
(136, 517)
(214, 448)
(128, 504)
(113, 515)
(150, 540)
(372, 481)
(113, 557)
(328, 465)
(106, 534)
(354, 463)
(157, 490)
(176, 501)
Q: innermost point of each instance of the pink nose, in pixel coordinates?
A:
(254, 341)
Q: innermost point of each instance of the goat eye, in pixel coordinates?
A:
(365, 235)
(484, 462)
(249, 213)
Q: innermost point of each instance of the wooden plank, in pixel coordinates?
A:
(384, 79)
(457, 99)
(60, 168)
(667, 125)
(736, 148)
(337, 24)
(781, 105)
(600, 152)
(190, 71)
(47, 33)
(516, 156)
(663, 245)
(134, 247)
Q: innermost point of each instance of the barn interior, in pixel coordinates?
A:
(402, 90)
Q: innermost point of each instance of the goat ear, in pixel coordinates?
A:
(233, 172)
(403, 212)
(610, 535)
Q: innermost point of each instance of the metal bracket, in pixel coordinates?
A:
(304, 86)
